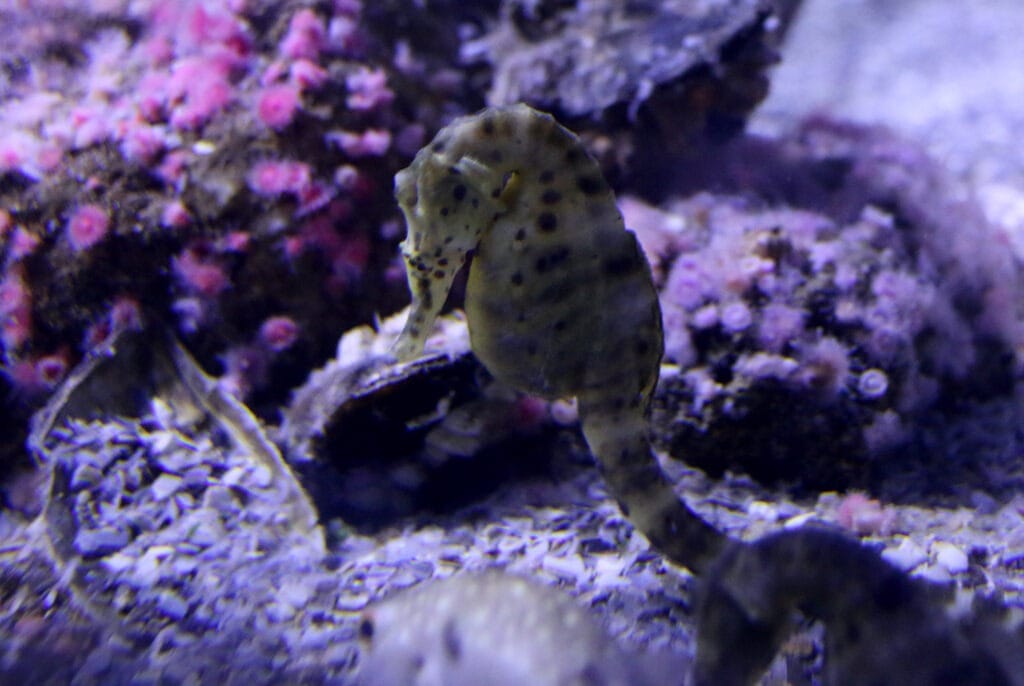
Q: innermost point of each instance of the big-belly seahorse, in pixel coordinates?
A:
(560, 301)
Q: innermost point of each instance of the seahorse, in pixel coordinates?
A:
(560, 301)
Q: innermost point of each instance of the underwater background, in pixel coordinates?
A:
(213, 470)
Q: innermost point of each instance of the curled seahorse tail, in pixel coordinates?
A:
(618, 438)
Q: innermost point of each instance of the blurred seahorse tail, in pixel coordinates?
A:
(618, 438)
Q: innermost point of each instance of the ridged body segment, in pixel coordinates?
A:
(560, 300)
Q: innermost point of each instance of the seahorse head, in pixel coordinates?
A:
(446, 208)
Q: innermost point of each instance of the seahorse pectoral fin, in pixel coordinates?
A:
(478, 174)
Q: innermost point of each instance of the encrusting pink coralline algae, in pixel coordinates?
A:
(871, 301)
(218, 163)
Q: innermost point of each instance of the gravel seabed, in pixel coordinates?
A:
(191, 604)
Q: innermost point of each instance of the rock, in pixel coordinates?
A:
(99, 542)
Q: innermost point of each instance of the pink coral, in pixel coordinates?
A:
(51, 369)
(174, 215)
(369, 143)
(307, 75)
(15, 328)
(271, 178)
(236, 242)
(825, 365)
(124, 314)
(305, 36)
(199, 88)
(143, 143)
(279, 333)
(736, 317)
(87, 227)
(172, 169)
(312, 198)
(780, 324)
(344, 36)
(245, 368)
(90, 125)
(205, 25)
(199, 273)
(864, 516)
(276, 105)
(368, 89)
(20, 152)
(13, 291)
(22, 244)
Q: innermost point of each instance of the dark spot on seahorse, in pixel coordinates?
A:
(520, 234)
(589, 185)
(452, 643)
(459, 192)
(558, 290)
(448, 239)
(444, 211)
(437, 252)
(550, 196)
(496, 193)
(547, 176)
(618, 266)
(559, 325)
(517, 279)
(488, 127)
(574, 155)
(547, 222)
(439, 274)
(475, 202)
(442, 262)
(438, 146)
(366, 628)
(552, 259)
(496, 156)
(414, 331)
(428, 299)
